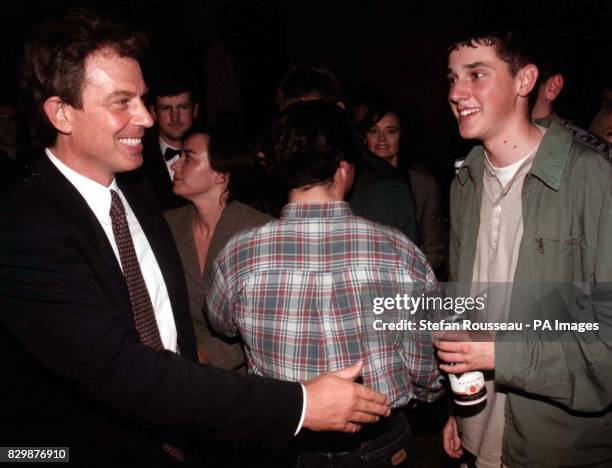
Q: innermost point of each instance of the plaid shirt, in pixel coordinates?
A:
(299, 291)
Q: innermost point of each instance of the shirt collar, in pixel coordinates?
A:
(316, 210)
(96, 195)
(163, 145)
(515, 168)
(548, 163)
(552, 156)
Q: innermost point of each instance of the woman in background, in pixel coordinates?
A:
(212, 172)
(602, 123)
(382, 131)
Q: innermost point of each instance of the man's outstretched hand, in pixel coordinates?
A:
(336, 403)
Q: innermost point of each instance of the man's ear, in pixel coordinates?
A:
(528, 76)
(152, 112)
(343, 179)
(58, 113)
(196, 108)
(553, 86)
(345, 171)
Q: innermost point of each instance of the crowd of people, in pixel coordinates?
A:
(172, 294)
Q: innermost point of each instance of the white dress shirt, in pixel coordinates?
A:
(98, 198)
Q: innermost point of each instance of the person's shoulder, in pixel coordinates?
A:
(392, 239)
(419, 169)
(24, 194)
(179, 221)
(587, 139)
(421, 177)
(588, 167)
(250, 214)
(589, 156)
(381, 231)
(28, 211)
(254, 234)
(173, 215)
(238, 256)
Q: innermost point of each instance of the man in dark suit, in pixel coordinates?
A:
(96, 345)
(174, 107)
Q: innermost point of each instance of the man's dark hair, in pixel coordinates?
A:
(173, 83)
(509, 45)
(549, 57)
(54, 63)
(310, 139)
(307, 82)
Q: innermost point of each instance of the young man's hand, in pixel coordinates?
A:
(336, 403)
(452, 441)
(460, 355)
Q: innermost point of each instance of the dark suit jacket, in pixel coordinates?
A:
(378, 194)
(154, 168)
(235, 218)
(74, 371)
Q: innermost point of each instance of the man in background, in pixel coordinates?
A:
(174, 107)
(551, 80)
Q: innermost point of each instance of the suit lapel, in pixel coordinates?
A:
(75, 209)
(185, 243)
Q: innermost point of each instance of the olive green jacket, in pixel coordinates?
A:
(559, 406)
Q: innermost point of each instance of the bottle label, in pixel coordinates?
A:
(469, 387)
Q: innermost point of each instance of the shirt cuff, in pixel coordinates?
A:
(299, 428)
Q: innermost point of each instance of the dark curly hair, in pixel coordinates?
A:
(309, 140)
(303, 82)
(54, 63)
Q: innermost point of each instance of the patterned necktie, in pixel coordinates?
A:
(142, 308)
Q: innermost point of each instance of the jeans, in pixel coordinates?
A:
(388, 443)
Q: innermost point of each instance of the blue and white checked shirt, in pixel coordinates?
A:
(299, 291)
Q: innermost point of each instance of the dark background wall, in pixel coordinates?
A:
(399, 47)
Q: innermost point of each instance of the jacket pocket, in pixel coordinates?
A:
(559, 256)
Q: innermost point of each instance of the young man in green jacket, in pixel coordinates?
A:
(531, 205)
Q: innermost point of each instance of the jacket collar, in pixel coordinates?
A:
(548, 164)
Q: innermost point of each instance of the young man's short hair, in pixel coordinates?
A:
(509, 46)
(550, 59)
(310, 139)
(173, 84)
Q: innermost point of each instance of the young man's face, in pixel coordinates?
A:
(483, 93)
(174, 115)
